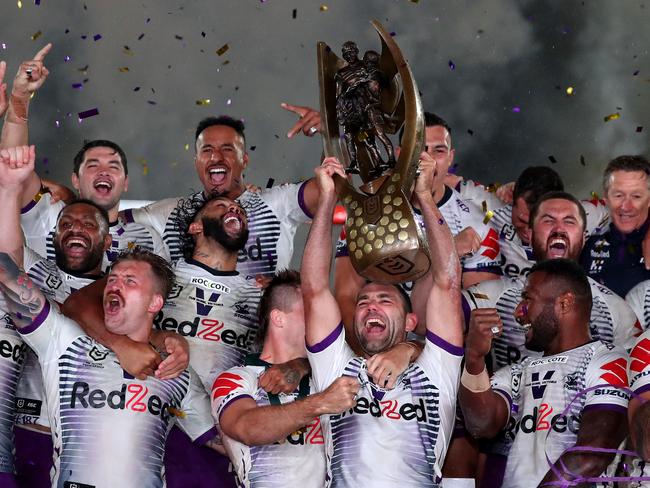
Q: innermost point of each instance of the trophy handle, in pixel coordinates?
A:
(410, 103)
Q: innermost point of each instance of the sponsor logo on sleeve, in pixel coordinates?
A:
(615, 372)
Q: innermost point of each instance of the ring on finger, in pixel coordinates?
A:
(494, 329)
(313, 130)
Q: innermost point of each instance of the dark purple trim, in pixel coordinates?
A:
(206, 436)
(467, 310)
(642, 389)
(328, 341)
(605, 406)
(493, 269)
(443, 344)
(28, 207)
(505, 395)
(342, 251)
(38, 320)
(230, 402)
(301, 200)
(128, 215)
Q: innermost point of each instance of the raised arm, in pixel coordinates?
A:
(16, 166)
(24, 299)
(443, 310)
(30, 77)
(322, 314)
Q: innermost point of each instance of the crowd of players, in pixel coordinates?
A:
(170, 344)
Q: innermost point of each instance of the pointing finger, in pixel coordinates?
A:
(43, 52)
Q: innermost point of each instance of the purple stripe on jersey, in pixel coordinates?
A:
(484, 269)
(230, 402)
(128, 215)
(28, 207)
(642, 389)
(40, 318)
(206, 436)
(443, 344)
(342, 251)
(467, 310)
(8, 480)
(605, 406)
(505, 396)
(325, 343)
(301, 200)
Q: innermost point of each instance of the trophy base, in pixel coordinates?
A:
(373, 186)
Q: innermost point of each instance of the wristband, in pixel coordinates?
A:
(476, 383)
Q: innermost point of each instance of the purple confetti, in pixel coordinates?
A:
(635, 73)
(516, 109)
(57, 123)
(4, 46)
(140, 36)
(77, 85)
(37, 2)
(87, 113)
(84, 37)
(45, 160)
(639, 128)
(97, 37)
(452, 66)
(66, 59)
(393, 34)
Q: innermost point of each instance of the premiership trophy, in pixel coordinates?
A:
(361, 101)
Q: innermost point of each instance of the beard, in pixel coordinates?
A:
(213, 229)
(544, 330)
(91, 261)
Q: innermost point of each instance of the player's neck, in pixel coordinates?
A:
(113, 213)
(278, 350)
(212, 255)
(566, 342)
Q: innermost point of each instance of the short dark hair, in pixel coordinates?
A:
(280, 294)
(430, 120)
(534, 181)
(162, 271)
(81, 154)
(567, 276)
(626, 163)
(226, 120)
(101, 211)
(560, 195)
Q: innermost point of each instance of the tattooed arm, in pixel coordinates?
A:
(24, 299)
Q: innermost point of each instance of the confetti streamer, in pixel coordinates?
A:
(613, 116)
(552, 159)
(569, 90)
(87, 113)
(516, 109)
(36, 35)
(203, 101)
(488, 213)
(451, 64)
(639, 128)
(582, 160)
(124, 69)
(270, 183)
(324, 8)
(140, 36)
(222, 50)
(151, 102)
(294, 13)
(97, 37)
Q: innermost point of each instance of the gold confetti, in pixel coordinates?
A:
(176, 412)
(613, 116)
(222, 50)
(20, 4)
(569, 90)
(488, 215)
(480, 296)
(124, 69)
(323, 8)
(36, 35)
(130, 245)
(187, 147)
(127, 50)
(203, 101)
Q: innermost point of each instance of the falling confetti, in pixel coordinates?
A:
(180, 38)
(137, 88)
(488, 213)
(127, 50)
(613, 116)
(140, 36)
(87, 113)
(203, 101)
(582, 160)
(552, 159)
(124, 69)
(4, 46)
(252, 148)
(452, 66)
(145, 167)
(187, 147)
(37, 2)
(480, 296)
(229, 102)
(639, 128)
(295, 13)
(270, 183)
(66, 59)
(36, 35)
(20, 4)
(569, 90)
(77, 85)
(222, 50)
(470, 132)
(175, 412)
(635, 73)
(151, 102)
(516, 109)
(323, 8)
(97, 37)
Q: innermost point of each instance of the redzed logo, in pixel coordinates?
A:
(225, 384)
(311, 434)
(615, 372)
(491, 243)
(640, 356)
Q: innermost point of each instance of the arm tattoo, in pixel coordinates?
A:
(291, 376)
(24, 299)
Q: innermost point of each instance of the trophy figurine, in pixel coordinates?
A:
(362, 101)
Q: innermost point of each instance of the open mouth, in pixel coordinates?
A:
(558, 247)
(232, 222)
(113, 303)
(374, 325)
(103, 187)
(76, 245)
(217, 175)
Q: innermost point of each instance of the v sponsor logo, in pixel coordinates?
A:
(539, 387)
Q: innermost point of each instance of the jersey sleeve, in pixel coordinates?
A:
(639, 364)
(159, 247)
(30, 258)
(501, 383)
(635, 298)
(481, 295)
(606, 379)
(38, 219)
(196, 418)
(476, 193)
(436, 352)
(626, 324)
(154, 215)
(597, 216)
(328, 358)
(488, 256)
(231, 385)
(288, 201)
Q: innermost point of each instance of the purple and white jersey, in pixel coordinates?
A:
(395, 437)
(639, 374)
(38, 220)
(12, 356)
(216, 312)
(539, 393)
(612, 320)
(516, 257)
(56, 285)
(598, 218)
(109, 429)
(298, 460)
(273, 217)
(458, 215)
(639, 299)
(473, 192)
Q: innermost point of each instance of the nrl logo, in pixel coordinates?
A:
(176, 291)
(53, 281)
(96, 355)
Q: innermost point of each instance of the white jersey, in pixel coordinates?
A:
(298, 460)
(516, 257)
(38, 220)
(108, 429)
(476, 193)
(395, 437)
(540, 391)
(639, 299)
(273, 217)
(639, 376)
(216, 312)
(598, 219)
(57, 285)
(612, 320)
(458, 215)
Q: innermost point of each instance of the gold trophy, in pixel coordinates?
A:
(361, 101)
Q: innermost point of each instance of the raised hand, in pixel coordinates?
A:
(31, 74)
(325, 172)
(3, 89)
(308, 123)
(16, 165)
